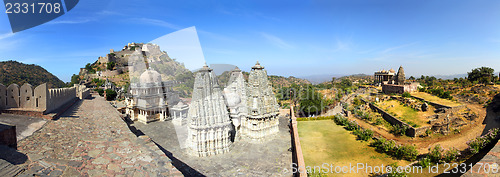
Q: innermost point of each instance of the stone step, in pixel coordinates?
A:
(7, 169)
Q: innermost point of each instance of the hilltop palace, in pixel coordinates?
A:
(215, 118)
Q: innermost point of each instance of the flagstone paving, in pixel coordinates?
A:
(90, 139)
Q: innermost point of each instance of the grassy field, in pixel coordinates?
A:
(435, 99)
(406, 113)
(323, 141)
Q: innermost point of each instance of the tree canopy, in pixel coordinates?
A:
(482, 75)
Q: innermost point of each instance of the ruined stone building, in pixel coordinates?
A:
(392, 82)
(235, 94)
(209, 130)
(262, 107)
(150, 98)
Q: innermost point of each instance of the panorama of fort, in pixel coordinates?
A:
(138, 112)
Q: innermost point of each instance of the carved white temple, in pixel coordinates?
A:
(263, 109)
(149, 101)
(236, 97)
(210, 128)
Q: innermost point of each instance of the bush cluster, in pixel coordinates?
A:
(363, 134)
(408, 152)
(100, 91)
(399, 129)
(314, 118)
(481, 142)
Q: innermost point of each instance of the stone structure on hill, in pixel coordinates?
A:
(39, 99)
(236, 97)
(150, 98)
(263, 109)
(210, 128)
(384, 76)
(392, 82)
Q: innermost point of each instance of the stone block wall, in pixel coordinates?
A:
(38, 99)
(59, 96)
(8, 135)
(411, 131)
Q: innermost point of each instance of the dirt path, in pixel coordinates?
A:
(478, 127)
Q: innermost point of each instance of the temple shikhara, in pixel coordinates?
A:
(210, 128)
(263, 108)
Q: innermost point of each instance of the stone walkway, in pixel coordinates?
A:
(90, 139)
(269, 158)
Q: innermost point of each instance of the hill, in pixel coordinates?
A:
(276, 81)
(20, 73)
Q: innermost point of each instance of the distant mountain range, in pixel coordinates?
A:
(320, 78)
(316, 79)
(20, 73)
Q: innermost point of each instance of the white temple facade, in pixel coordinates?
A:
(148, 102)
(210, 128)
(263, 109)
(236, 98)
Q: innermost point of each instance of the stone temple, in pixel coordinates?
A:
(209, 131)
(236, 98)
(149, 98)
(393, 82)
(263, 109)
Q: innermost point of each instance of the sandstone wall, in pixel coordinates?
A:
(411, 131)
(39, 99)
(59, 96)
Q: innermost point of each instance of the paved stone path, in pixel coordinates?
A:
(25, 126)
(90, 139)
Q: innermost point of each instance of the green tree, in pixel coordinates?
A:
(483, 75)
(345, 83)
(110, 94)
(110, 65)
(75, 79)
(311, 101)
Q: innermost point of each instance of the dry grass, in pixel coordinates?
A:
(323, 141)
(435, 99)
(406, 113)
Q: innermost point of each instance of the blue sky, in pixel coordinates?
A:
(298, 38)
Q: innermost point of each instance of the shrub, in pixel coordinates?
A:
(100, 91)
(479, 143)
(399, 130)
(110, 94)
(378, 121)
(424, 163)
(406, 95)
(435, 154)
(451, 155)
(408, 152)
(364, 135)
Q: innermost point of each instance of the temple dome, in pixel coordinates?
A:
(233, 99)
(150, 76)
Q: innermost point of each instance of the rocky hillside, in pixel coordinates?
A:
(20, 73)
(114, 67)
(276, 81)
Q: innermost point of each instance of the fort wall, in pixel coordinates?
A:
(39, 99)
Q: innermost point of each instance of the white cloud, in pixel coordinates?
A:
(397, 47)
(277, 41)
(69, 21)
(156, 22)
(6, 35)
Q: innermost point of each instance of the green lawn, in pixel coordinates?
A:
(323, 141)
(435, 99)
